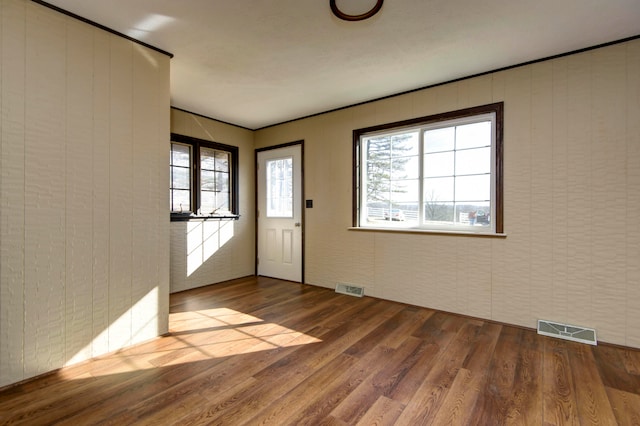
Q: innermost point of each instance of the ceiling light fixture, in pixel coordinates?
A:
(358, 17)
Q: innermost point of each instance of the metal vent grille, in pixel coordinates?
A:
(351, 290)
(567, 332)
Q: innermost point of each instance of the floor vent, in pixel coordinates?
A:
(567, 332)
(351, 290)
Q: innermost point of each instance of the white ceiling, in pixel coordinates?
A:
(255, 63)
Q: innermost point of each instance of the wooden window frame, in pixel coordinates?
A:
(196, 144)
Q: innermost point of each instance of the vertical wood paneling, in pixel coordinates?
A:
(608, 192)
(146, 143)
(101, 191)
(12, 194)
(161, 155)
(424, 103)
(120, 193)
(474, 274)
(45, 191)
(79, 188)
(475, 91)
(559, 191)
(542, 143)
(632, 227)
(580, 220)
(511, 285)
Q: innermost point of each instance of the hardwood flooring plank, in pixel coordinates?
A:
(559, 405)
(496, 399)
(384, 411)
(331, 421)
(591, 396)
(625, 405)
(457, 408)
(611, 367)
(527, 395)
(631, 360)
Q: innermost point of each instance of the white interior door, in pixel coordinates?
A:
(280, 213)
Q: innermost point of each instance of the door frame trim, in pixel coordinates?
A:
(302, 199)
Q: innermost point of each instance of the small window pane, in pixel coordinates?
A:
(207, 158)
(439, 140)
(181, 178)
(437, 190)
(405, 145)
(404, 191)
(439, 164)
(405, 168)
(473, 188)
(180, 200)
(476, 214)
(437, 212)
(378, 148)
(207, 180)
(280, 187)
(222, 202)
(207, 202)
(222, 161)
(180, 155)
(473, 161)
(222, 182)
(473, 135)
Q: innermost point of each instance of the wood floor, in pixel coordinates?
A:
(260, 351)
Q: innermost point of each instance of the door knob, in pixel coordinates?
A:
(297, 224)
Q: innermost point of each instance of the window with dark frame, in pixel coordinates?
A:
(203, 178)
(435, 173)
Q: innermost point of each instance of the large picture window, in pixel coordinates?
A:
(203, 179)
(438, 173)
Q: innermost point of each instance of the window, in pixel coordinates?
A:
(280, 187)
(203, 179)
(438, 173)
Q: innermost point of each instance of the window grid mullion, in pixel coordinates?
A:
(196, 178)
(421, 211)
(455, 174)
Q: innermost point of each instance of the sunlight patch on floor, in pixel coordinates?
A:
(198, 336)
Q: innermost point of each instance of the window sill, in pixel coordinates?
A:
(184, 217)
(428, 231)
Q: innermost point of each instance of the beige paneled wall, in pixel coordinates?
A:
(212, 251)
(572, 185)
(83, 199)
